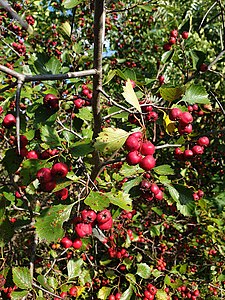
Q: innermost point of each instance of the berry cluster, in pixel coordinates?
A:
(78, 102)
(86, 91)
(137, 149)
(186, 293)
(198, 195)
(150, 190)
(150, 292)
(197, 149)
(148, 114)
(48, 177)
(184, 118)
(116, 297)
(30, 20)
(84, 223)
(173, 39)
(19, 47)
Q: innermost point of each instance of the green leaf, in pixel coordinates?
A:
(171, 93)
(6, 229)
(63, 185)
(66, 28)
(11, 161)
(82, 148)
(84, 114)
(127, 186)
(110, 140)
(196, 94)
(164, 170)
(157, 210)
(30, 167)
(43, 282)
(161, 295)
(183, 269)
(22, 277)
(53, 65)
(183, 198)
(104, 292)
(113, 112)
(50, 136)
(143, 270)
(109, 76)
(145, 7)
(155, 230)
(130, 95)
(74, 268)
(121, 199)
(97, 201)
(167, 56)
(52, 219)
(131, 278)
(71, 3)
(85, 277)
(19, 295)
(128, 293)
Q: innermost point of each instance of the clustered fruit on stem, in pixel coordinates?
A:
(140, 152)
(150, 190)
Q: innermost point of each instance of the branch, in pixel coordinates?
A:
(99, 33)
(167, 146)
(46, 291)
(18, 92)
(216, 59)
(219, 103)
(223, 21)
(14, 15)
(46, 77)
(203, 19)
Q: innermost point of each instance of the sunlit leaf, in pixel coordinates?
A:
(171, 93)
(71, 3)
(143, 270)
(196, 94)
(110, 139)
(22, 277)
(130, 95)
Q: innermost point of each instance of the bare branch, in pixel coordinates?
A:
(203, 19)
(18, 92)
(15, 16)
(167, 146)
(219, 103)
(216, 59)
(45, 77)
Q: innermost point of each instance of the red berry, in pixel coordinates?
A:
(112, 297)
(133, 142)
(159, 195)
(73, 291)
(62, 194)
(77, 243)
(172, 40)
(103, 216)
(188, 153)
(66, 242)
(167, 47)
(88, 216)
(154, 188)
(147, 163)
(175, 114)
(184, 129)
(79, 103)
(147, 148)
(51, 101)
(9, 121)
(83, 229)
(186, 118)
(133, 158)
(203, 67)
(32, 155)
(185, 35)
(174, 33)
(44, 175)
(59, 170)
(203, 141)
(197, 150)
(107, 225)
(48, 186)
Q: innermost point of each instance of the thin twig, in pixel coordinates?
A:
(10, 86)
(216, 59)
(18, 92)
(14, 15)
(46, 291)
(167, 146)
(219, 103)
(203, 19)
(223, 21)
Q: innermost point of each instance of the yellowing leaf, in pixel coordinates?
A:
(130, 95)
(171, 93)
(111, 139)
(169, 125)
(66, 28)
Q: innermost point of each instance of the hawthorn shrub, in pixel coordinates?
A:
(112, 159)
